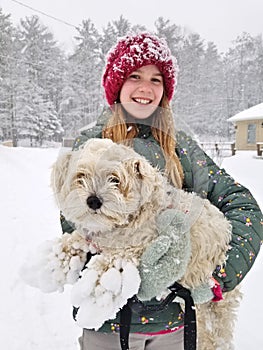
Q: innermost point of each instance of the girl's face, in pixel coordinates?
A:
(142, 92)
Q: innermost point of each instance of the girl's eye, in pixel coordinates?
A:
(157, 80)
(134, 76)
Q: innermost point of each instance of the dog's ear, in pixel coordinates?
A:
(139, 167)
(59, 171)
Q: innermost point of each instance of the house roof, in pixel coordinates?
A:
(252, 113)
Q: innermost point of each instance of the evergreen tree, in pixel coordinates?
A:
(7, 78)
(172, 33)
(122, 26)
(114, 30)
(36, 91)
(107, 39)
(36, 118)
(258, 76)
(242, 73)
(188, 109)
(70, 111)
(41, 50)
(84, 77)
(213, 100)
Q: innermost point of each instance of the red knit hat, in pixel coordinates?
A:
(133, 52)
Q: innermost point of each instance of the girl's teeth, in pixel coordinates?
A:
(142, 101)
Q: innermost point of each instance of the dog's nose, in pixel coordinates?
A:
(94, 202)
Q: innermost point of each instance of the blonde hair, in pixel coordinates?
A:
(163, 131)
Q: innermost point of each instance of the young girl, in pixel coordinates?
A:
(139, 82)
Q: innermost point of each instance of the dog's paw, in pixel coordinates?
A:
(55, 263)
(103, 289)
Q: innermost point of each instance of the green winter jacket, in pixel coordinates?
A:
(204, 177)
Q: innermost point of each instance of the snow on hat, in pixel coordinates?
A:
(133, 52)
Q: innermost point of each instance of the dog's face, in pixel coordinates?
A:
(105, 185)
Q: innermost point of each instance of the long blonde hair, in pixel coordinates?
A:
(163, 130)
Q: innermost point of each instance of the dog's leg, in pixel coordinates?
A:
(216, 321)
(204, 327)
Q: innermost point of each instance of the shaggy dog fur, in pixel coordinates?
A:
(115, 197)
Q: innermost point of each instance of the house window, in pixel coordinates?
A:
(251, 133)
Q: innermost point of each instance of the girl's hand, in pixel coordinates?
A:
(165, 259)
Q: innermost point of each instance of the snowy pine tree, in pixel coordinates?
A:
(172, 33)
(8, 65)
(84, 78)
(244, 73)
(37, 90)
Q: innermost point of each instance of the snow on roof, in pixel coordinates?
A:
(255, 112)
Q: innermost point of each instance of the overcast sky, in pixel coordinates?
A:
(220, 21)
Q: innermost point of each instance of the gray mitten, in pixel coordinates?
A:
(165, 259)
(202, 294)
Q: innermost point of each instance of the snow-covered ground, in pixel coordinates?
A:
(32, 320)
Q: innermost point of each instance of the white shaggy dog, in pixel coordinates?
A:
(126, 210)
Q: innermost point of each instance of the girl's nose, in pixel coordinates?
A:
(145, 86)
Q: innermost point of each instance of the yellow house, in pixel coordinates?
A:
(249, 128)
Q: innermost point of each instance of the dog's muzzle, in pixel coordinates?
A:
(94, 202)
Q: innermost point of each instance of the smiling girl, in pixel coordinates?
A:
(139, 82)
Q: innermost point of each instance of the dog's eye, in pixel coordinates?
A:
(80, 175)
(79, 178)
(114, 180)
